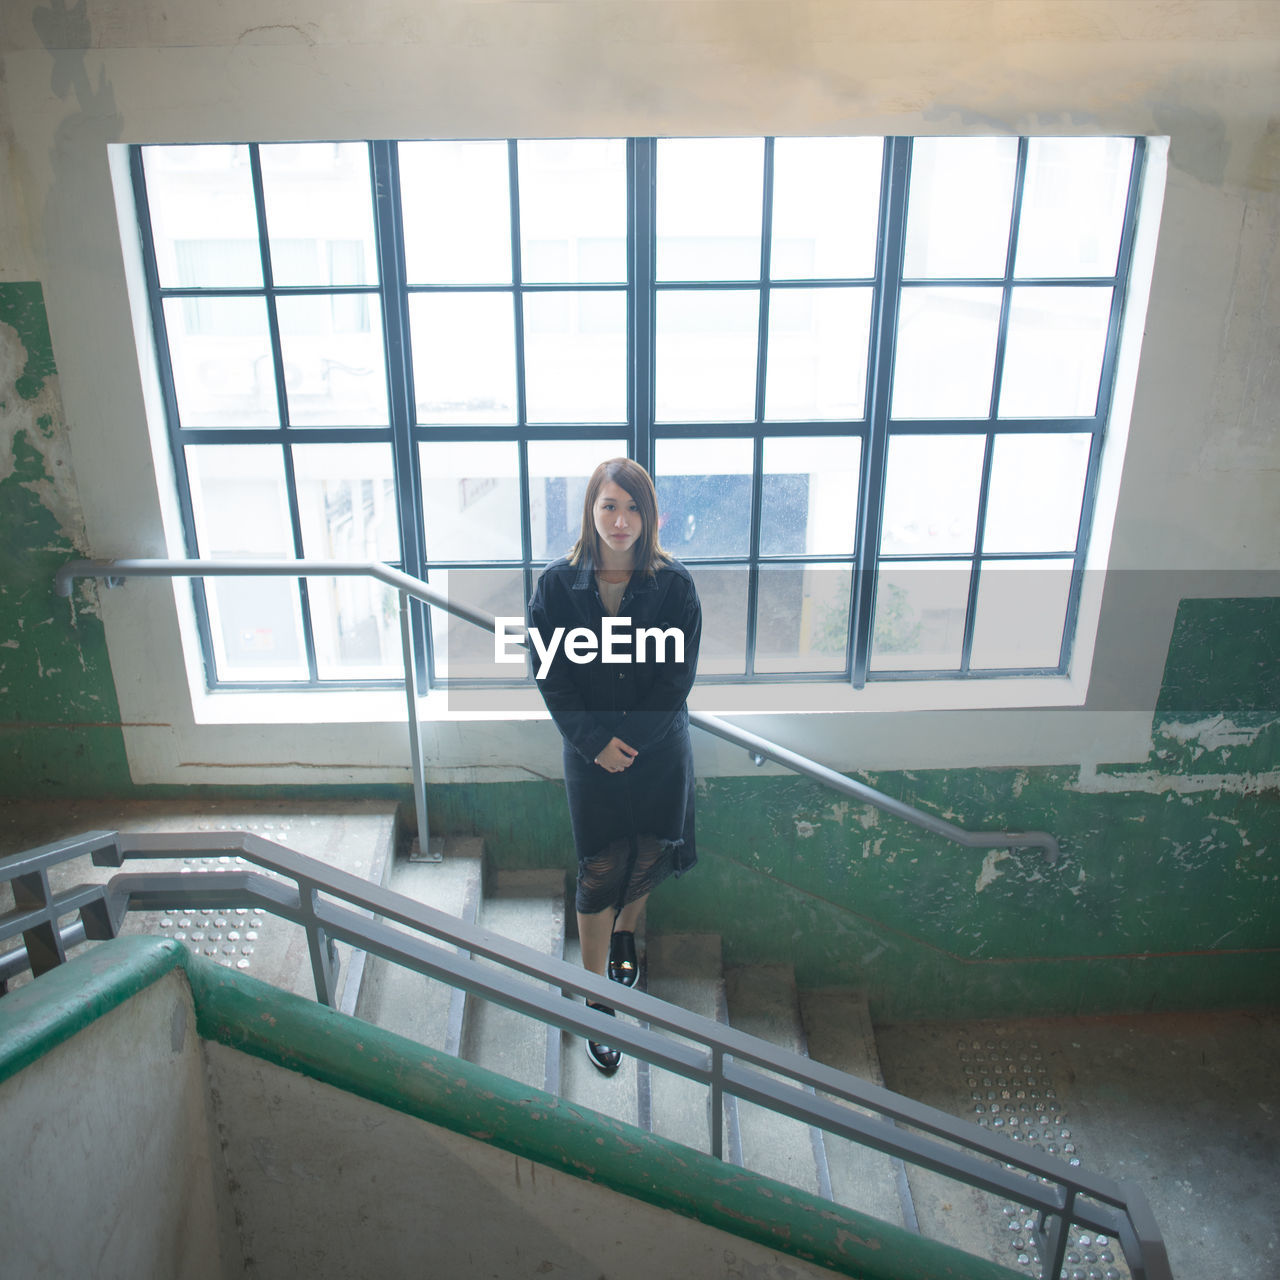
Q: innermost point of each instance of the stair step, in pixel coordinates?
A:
(410, 1003)
(527, 907)
(763, 1002)
(837, 1024)
(582, 1083)
(685, 970)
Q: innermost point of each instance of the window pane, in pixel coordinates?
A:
(239, 501)
(471, 500)
(826, 208)
(241, 512)
(946, 353)
(704, 496)
(723, 593)
(334, 363)
(464, 357)
(1021, 611)
(802, 618)
(347, 501)
(1053, 357)
(809, 505)
(456, 198)
(575, 353)
(931, 494)
(319, 213)
(817, 353)
(920, 609)
(558, 475)
(710, 193)
(1037, 487)
(356, 625)
(460, 650)
(960, 202)
(706, 355)
(573, 210)
(203, 218)
(1073, 206)
(223, 372)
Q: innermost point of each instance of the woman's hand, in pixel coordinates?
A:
(616, 756)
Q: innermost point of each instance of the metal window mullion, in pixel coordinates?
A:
(393, 295)
(884, 322)
(522, 407)
(993, 404)
(642, 228)
(757, 444)
(516, 287)
(173, 426)
(975, 564)
(304, 590)
(282, 403)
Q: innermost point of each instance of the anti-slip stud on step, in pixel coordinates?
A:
(623, 966)
(604, 1058)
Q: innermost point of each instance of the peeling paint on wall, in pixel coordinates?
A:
(59, 717)
(989, 873)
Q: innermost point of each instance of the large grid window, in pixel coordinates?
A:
(870, 376)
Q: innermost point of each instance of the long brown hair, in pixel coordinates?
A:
(632, 477)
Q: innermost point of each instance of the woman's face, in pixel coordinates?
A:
(617, 518)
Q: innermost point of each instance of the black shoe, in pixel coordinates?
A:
(603, 1057)
(623, 966)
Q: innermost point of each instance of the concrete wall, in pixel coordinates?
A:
(327, 1183)
(108, 1137)
(1195, 499)
(179, 1120)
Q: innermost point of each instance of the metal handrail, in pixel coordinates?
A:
(116, 571)
(333, 905)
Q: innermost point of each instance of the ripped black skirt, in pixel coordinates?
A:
(631, 830)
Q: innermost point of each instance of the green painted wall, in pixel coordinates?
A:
(59, 719)
(1166, 895)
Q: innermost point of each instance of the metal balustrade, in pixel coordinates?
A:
(332, 906)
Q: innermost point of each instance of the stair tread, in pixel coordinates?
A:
(839, 1033)
(684, 970)
(763, 1002)
(397, 998)
(502, 1039)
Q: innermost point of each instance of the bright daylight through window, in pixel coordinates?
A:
(870, 376)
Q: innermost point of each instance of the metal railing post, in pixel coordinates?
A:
(715, 1102)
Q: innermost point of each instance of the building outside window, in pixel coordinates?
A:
(870, 376)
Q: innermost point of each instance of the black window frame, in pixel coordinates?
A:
(642, 433)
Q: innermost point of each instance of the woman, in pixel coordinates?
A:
(628, 762)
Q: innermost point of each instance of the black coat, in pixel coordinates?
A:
(642, 703)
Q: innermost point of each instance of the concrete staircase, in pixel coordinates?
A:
(1022, 1079)
(531, 907)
